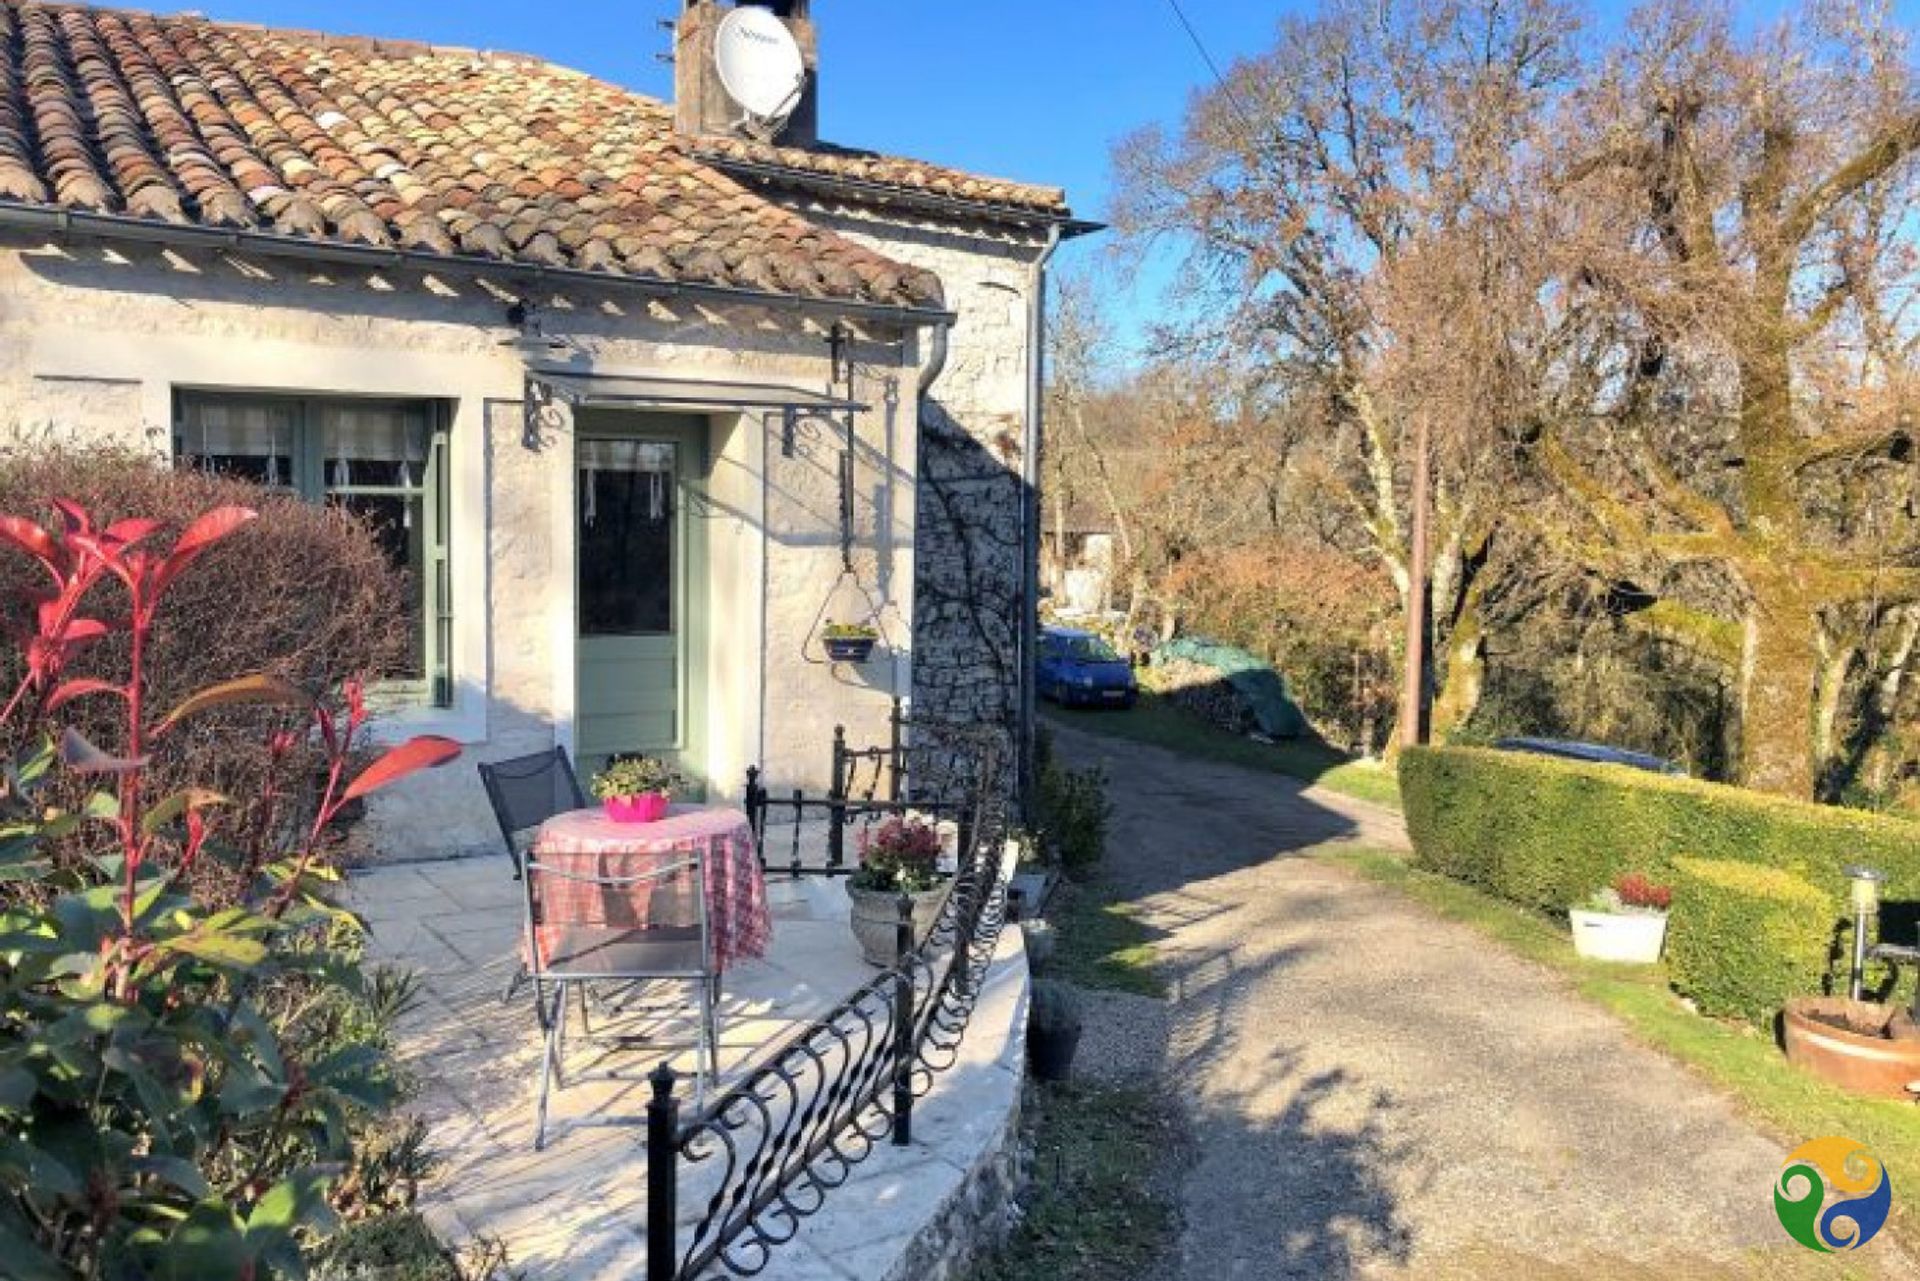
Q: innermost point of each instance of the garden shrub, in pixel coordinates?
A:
(303, 593)
(1743, 938)
(188, 1088)
(1073, 812)
(401, 1247)
(1547, 833)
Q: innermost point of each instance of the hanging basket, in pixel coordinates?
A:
(849, 649)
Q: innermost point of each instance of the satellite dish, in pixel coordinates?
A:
(760, 64)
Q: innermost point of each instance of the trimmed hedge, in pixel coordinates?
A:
(1744, 938)
(1548, 832)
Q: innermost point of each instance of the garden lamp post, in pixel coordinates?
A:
(1863, 893)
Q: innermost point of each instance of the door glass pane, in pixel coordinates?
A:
(373, 445)
(625, 509)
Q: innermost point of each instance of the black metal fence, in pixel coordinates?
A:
(872, 773)
(807, 835)
(764, 1155)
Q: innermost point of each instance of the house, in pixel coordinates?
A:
(642, 395)
(1076, 555)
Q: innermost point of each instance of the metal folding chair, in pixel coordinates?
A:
(525, 792)
(618, 919)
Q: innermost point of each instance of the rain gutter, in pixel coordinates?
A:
(1030, 518)
(71, 223)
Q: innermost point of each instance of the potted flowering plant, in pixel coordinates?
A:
(1627, 921)
(849, 642)
(899, 856)
(636, 789)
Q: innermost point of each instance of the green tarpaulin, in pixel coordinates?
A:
(1264, 689)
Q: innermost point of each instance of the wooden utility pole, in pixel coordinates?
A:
(1413, 686)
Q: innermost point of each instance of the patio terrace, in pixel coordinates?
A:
(578, 1209)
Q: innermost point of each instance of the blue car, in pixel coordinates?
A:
(1078, 669)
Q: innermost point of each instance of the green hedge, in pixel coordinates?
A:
(1741, 939)
(1547, 832)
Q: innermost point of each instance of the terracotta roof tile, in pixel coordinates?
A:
(391, 143)
(823, 163)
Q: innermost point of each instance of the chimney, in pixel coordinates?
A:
(702, 107)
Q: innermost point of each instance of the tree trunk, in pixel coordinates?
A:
(1779, 670)
(1466, 673)
(1882, 749)
(1836, 660)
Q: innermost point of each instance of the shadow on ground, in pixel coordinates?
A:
(1292, 1130)
(1375, 1092)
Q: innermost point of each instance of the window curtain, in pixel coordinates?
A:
(351, 433)
(240, 429)
(650, 458)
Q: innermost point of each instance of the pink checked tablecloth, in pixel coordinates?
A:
(736, 892)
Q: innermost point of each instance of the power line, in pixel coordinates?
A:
(1200, 47)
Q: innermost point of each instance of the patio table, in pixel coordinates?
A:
(589, 843)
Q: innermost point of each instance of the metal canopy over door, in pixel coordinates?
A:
(640, 571)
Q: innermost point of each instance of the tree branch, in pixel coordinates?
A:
(1706, 635)
(1880, 155)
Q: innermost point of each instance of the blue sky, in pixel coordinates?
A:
(1032, 89)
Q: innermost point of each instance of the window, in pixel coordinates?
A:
(385, 460)
(1091, 649)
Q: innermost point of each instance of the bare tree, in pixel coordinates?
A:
(1352, 203)
(1743, 247)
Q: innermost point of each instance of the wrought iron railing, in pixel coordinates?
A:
(807, 835)
(803, 835)
(872, 773)
(764, 1155)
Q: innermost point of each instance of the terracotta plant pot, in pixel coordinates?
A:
(874, 915)
(1845, 1042)
(849, 649)
(1631, 937)
(648, 807)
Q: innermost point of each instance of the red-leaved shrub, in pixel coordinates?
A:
(899, 854)
(303, 594)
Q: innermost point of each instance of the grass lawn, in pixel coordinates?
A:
(1100, 1206)
(1161, 722)
(1100, 943)
(1739, 1060)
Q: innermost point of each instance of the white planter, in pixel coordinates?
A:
(1634, 937)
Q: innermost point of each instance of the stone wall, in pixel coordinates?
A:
(969, 588)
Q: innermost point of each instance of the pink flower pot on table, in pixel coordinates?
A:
(649, 807)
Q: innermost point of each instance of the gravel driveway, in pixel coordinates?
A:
(1376, 1092)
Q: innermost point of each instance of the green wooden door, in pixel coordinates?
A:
(641, 572)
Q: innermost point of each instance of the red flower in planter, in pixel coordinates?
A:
(1636, 890)
(901, 854)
